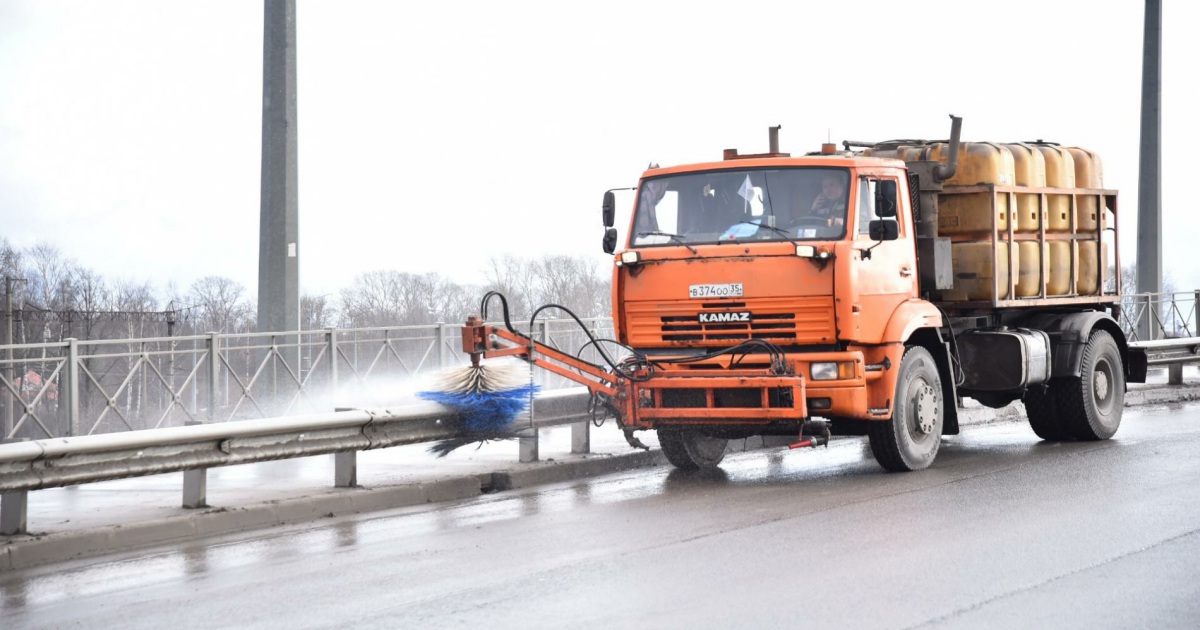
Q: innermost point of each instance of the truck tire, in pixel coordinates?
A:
(910, 440)
(1091, 405)
(691, 449)
(1045, 418)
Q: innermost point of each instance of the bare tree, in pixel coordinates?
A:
(516, 279)
(88, 300)
(221, 305)
(316, 312)
(11, 260)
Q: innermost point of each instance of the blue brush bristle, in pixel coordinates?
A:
(485, 412)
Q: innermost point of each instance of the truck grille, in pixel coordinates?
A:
(779, 320)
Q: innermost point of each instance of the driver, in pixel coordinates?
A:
(831, 202)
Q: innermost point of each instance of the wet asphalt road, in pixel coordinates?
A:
(1003, 532)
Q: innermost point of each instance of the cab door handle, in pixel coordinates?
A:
(906, 271)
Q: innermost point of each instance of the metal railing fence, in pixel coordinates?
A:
(1154, 316)
(75, 387)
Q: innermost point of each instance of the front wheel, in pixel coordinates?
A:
(910, 440)
(691, 449)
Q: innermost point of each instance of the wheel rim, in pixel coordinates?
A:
(922, 409)
(1103, 386)
(706, 448)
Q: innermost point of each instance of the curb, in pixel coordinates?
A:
(46, 549)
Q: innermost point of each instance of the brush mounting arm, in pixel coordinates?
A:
(482, 341)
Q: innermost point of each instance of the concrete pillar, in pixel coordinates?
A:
(278, 244)
(1149, 234)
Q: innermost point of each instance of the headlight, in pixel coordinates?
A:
(832, 370)
(824, 371)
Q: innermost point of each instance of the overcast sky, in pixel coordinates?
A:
(435, 135)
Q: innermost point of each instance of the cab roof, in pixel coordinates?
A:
(834, 161)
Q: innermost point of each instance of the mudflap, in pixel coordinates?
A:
(1136, 366)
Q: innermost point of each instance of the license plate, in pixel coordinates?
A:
(715, 290)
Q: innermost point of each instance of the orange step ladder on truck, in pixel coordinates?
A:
(858, 292)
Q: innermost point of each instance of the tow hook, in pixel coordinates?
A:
(813, 433)
(813, 442)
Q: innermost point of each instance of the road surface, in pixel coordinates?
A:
(1004, 531)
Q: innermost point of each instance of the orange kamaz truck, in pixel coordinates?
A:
(860, 291)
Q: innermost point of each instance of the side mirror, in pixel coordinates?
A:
(884, 230)
(608, 210)
(885, 199)
(610, 240)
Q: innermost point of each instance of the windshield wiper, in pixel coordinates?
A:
(673, 237)
(769, 227)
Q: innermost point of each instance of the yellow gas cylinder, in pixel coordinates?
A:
(1030, 170)
(1089, 173)
(1089, 275)
(1060, 173)
(973, 272)
(1029, 273)
(1058, 282)
(978, 163)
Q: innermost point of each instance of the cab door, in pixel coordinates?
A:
(886, 270)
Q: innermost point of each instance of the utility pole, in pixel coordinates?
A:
(1149, 227)
(278, 239)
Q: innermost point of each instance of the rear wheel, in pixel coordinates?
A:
(910, 440)
(1041, 407)
(691, 449)
(1091, 405)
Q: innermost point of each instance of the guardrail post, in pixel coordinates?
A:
(345, 469)
(14, 507)
(213, 344)
(72, 386)
(1175, 374)
(528, 445)
(195, 483)
(581, 437)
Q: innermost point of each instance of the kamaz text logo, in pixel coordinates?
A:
(713, 318)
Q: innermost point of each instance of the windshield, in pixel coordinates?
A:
(802, 203)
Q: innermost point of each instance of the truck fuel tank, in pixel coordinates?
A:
(1004, 360)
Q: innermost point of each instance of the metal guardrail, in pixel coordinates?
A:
(58, 462)
(74, 387)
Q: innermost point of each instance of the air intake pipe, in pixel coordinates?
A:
(929, 178)
(947, 170)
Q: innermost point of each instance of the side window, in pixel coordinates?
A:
(866, 204)
(876, 197)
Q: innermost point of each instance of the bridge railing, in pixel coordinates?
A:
(78, 387)
(1155, 316)
(74, 387)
